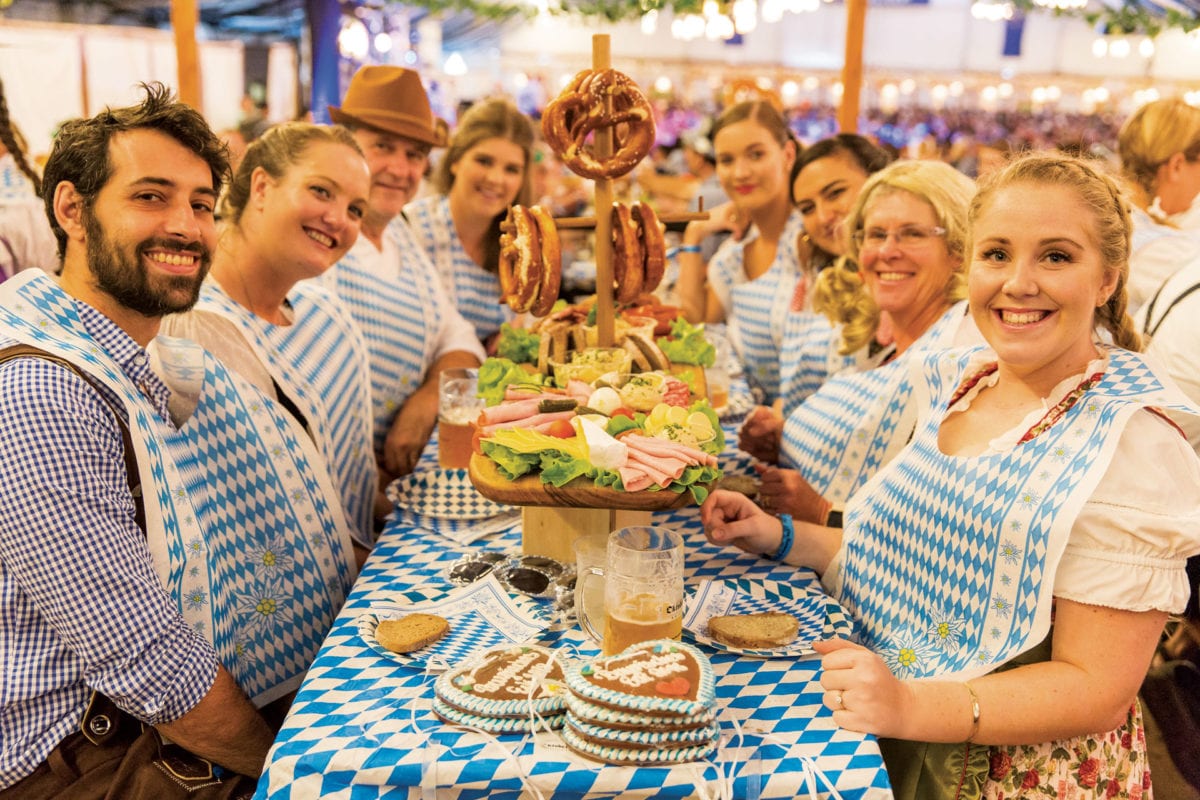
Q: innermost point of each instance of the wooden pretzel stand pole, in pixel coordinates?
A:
(552, 530)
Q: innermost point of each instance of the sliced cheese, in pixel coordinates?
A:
(604, 451)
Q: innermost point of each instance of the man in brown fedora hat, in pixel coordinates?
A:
(391, 288)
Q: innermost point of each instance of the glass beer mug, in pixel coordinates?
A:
(643, 589)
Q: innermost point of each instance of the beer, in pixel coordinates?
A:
(455, 430)
(641, 618)
(718, 395)
(459, 405)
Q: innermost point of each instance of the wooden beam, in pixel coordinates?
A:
(852, 68)
(185, 15)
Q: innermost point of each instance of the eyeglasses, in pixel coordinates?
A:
(910, 237)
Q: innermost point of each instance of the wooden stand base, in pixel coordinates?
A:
(552, 530)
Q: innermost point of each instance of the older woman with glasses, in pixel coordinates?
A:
(908, 236)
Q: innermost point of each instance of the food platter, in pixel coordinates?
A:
(529, 490)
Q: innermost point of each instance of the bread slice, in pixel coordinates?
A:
(411, 632)
(754, 631)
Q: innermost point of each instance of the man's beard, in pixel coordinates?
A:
(124, 276)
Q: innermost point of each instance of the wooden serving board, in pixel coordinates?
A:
(528, 490)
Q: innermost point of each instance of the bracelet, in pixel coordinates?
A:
(785, 543)
(834, 520)
(974, 712)
(688, 248)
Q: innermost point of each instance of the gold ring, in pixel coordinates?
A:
(840, 704)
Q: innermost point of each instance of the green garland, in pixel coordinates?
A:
(1130, 18)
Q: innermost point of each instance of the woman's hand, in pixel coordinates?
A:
(862, 691)
(732, 518)
(722, 218)
(785, 491)
(761, 434)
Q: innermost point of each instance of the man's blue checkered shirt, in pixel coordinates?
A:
(81, 606)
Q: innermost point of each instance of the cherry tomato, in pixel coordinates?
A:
(561, 428)
(621, 412)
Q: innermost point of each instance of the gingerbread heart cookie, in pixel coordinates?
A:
(505, 682)
(658, 677)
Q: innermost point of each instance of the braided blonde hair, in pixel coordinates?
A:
(1110, 205)
(840, 293)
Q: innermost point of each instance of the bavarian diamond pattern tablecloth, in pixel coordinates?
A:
(363, 726)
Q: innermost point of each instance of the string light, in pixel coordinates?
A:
(722, 19)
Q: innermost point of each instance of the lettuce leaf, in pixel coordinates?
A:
(686, 344)
(496, 374)
(511, 464)
(517, 344)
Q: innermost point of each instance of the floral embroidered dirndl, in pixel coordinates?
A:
(981, 538)
(246, 537)
(320, 363)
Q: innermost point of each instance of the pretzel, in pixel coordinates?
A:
(520, 260)
(629, 257)
(653, 245)
(547, 292)
(581, 109)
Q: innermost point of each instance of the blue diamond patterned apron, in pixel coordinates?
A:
(973, 543)
(243, 527)
(858, 421)
(387, 293)
(758, 308)
(473, 290)
(320, 363)
(809, 356)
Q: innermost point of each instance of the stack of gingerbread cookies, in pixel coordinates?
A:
(654, 703)
(505, 690)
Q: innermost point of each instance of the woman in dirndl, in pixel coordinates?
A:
(1011, 570)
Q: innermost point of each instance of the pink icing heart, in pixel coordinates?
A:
(676, 687)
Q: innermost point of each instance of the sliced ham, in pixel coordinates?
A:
(580, 390)
(528, 422)
(634, 479)
(509, 411)
(652, 468)
(664, 448)
(672, 466)
(511, 392)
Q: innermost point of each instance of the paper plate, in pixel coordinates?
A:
(442, 494)
(820, 616)
(482, 615)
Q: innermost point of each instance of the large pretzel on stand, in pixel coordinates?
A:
(551, 281)
(653, 245)
(520, 259)
(629, 256)
(581, 109)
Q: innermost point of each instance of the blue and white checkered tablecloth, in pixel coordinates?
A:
(362, 725)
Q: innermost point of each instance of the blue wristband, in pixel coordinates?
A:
(789, 537)
(688, 248)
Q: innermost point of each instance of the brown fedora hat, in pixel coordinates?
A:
(393, 100)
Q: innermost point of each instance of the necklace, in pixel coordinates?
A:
(1052, 415)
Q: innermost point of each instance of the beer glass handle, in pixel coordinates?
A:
(585, 621)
